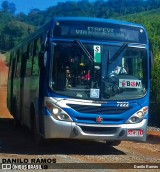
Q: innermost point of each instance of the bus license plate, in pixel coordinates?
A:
(135, 133)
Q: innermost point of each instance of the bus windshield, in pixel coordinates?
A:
(114, 73)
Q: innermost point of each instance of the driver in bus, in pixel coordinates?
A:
(120, 67)
(118, 70)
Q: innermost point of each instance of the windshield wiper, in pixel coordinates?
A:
(118, 52)
(84, 50)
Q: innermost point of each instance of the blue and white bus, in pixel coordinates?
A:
(82, 78)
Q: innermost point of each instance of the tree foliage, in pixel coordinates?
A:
(13, 28)
(8, 7)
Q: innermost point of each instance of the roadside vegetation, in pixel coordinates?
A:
(16, 27)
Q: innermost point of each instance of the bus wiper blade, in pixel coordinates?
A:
(118, 52)
(84, 50)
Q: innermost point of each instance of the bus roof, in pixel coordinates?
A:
(92, 19)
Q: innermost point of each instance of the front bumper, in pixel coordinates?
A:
(71, 130)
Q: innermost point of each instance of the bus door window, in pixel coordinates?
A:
(29, 60)
(59, 69)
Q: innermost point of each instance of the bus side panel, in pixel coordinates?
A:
(30, 85)
(29, 98)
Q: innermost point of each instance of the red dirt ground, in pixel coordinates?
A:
(4, 113)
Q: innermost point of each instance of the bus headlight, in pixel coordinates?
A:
(57, 112)
(138, 116)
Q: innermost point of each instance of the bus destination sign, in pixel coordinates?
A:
(102, 31)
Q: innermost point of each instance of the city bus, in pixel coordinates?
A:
(82, 78)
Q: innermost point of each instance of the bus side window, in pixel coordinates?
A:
(17, 72)
(29, 60)
(10, 60)
(12, 66)
(36, 52)
(17, 61)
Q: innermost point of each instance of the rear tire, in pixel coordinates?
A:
(37, 138)
(16, 122)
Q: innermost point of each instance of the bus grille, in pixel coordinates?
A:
(98, 130)
(99, 109)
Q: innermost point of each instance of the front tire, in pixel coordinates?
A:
(16, 122)
(37, 138)
(34, 128)
(113, 142)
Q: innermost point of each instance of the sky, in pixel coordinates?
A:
(27, 5)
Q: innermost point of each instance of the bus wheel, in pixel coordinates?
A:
(113, 142)
(16, 122)
(37, 138)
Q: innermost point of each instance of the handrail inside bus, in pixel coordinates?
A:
(85, 50)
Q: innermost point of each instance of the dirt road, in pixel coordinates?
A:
(3, 88)
(18, 143)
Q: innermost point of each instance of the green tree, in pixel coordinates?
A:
(5, 5)
(8, 7)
